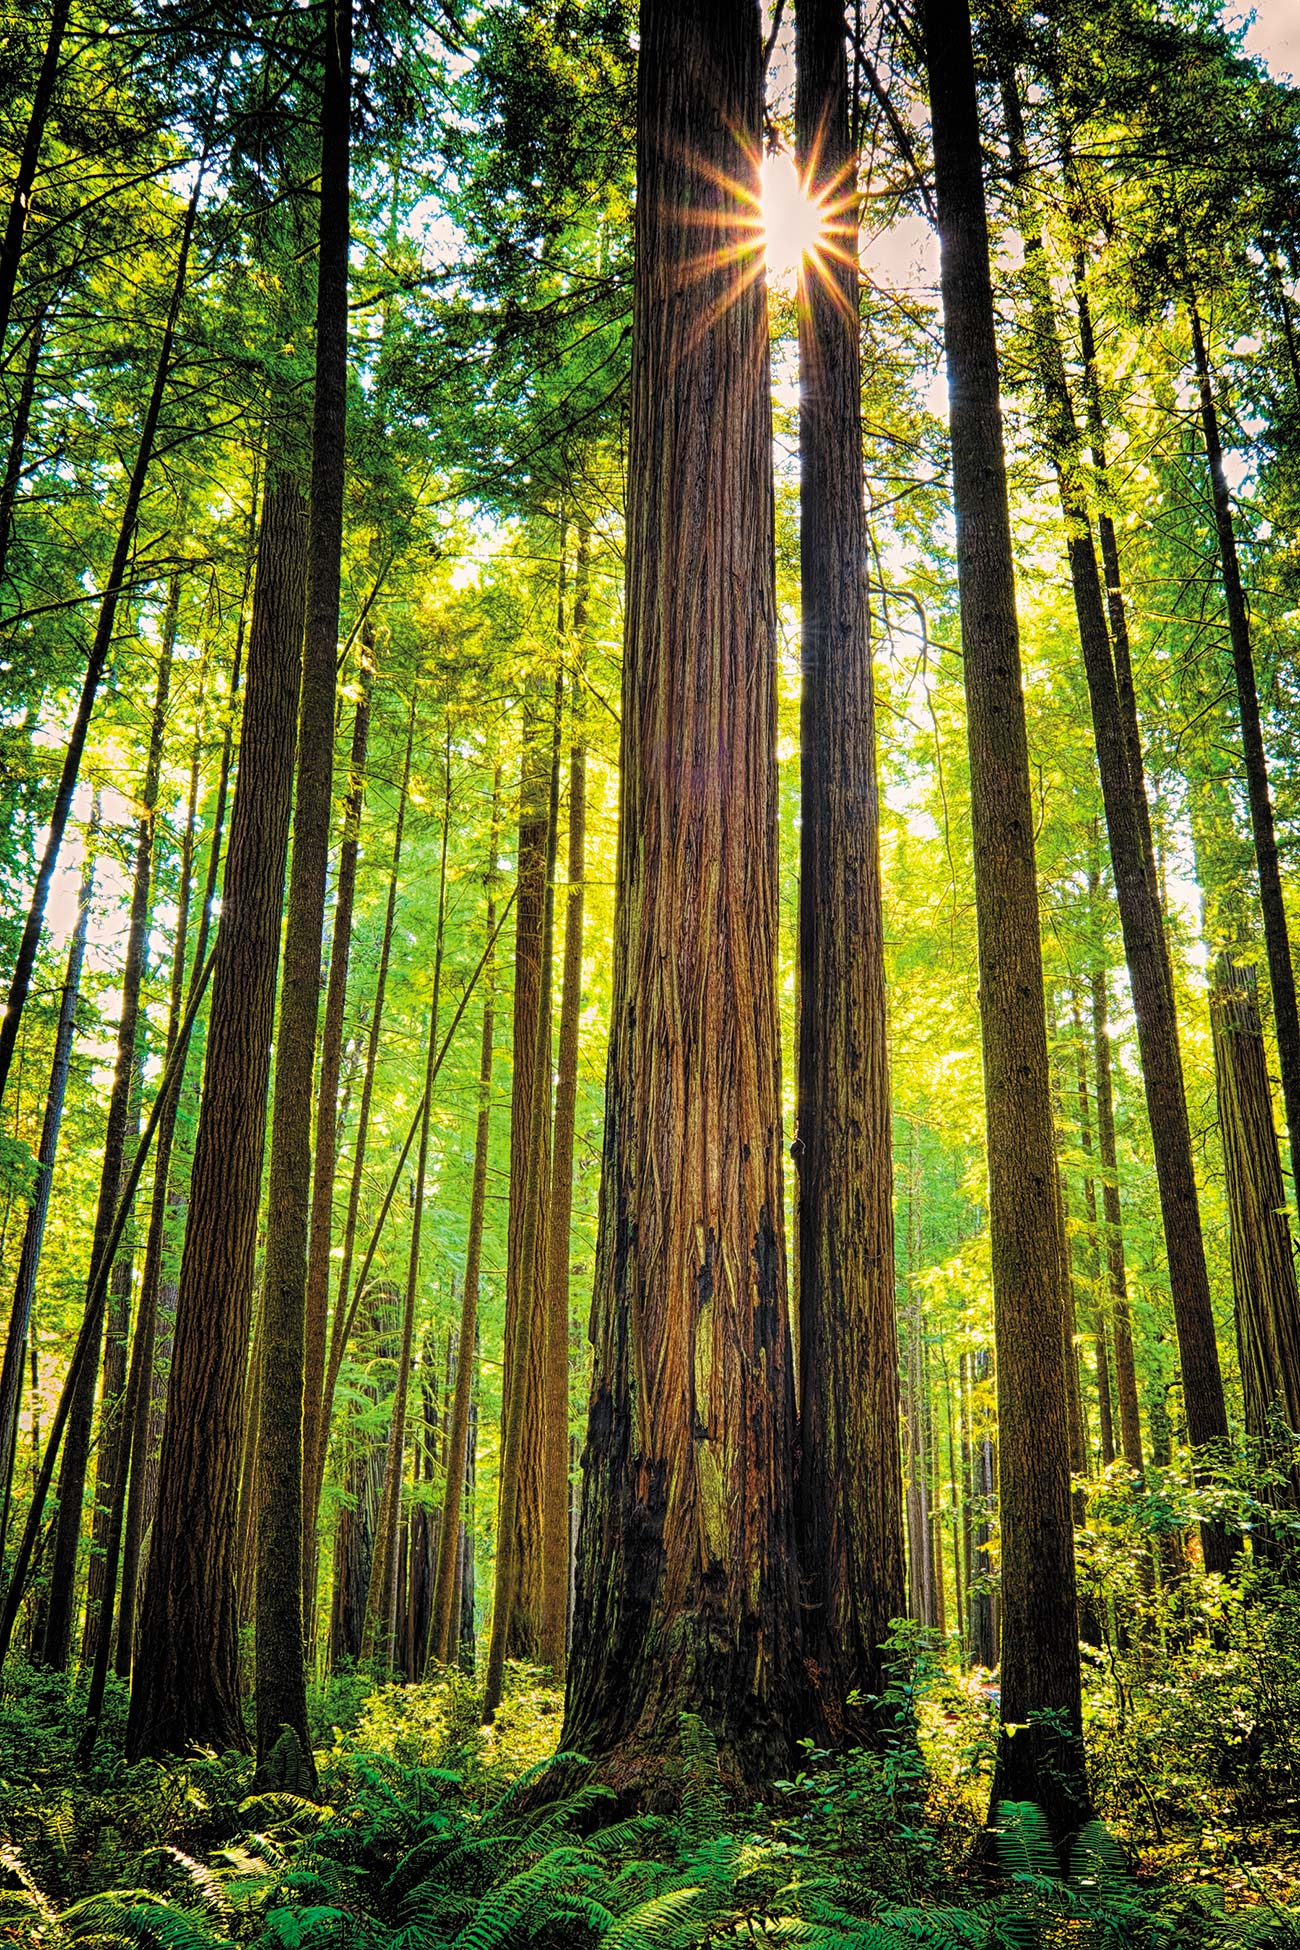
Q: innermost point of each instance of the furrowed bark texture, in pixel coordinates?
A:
(1281, 973)
(281, 1674)
(686, 1589)
(186, 1682)
(1263, 1269)
(1043, 1761)
(850, 1517)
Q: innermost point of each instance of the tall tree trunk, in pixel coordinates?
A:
(1263, 1266)
(168, 1197)
(686, 1582)
(555, 1511)
(377, 1638)
(38, 1212)
(123, 1113)
(523, 1401)
(529, 1175)
(1092, 1259)
(281, 1682)
(348, 1296)
(1139, 904)
(25, 961)
(11, 248)
(325, 1162)
(444, 1633)
(1040, 1691)
(850, 1478)
(185, 1687)
(1281, 974)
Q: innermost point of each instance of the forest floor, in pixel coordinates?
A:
(422, 1841)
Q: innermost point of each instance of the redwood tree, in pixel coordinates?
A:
(686, 1594)
(1042, 1760)
(850, 1477)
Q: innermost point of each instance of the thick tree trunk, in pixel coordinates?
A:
(325, 1162)
(850, 1515)
(1140, 908)
(281, 1682)
(11, 248)
(444, 1633)
(1277, 943)
(1040, 1686)
(1263, 1265)
(185, 1688)
(25, 961)
(686, 1581)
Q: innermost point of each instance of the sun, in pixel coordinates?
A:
(794, 223)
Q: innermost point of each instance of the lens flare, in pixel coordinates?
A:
(795, 225)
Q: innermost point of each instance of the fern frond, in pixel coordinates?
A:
(1024, 1840)
(138, 1916)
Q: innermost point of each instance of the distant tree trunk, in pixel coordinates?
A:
(517, 1524)
(1092, 1262)
(281, 1683)
(114, 1430)
(529, 1176)
(984, 1621)
(123, 1114)
(463, 1608)
(1043, 1760)
(1138, 899)
(377, 1638)
(325, 1162)
(38, 1212)
(686, 1581)
(11, 249)
(1130, 1424)
(1263, 1266)
(348, 1299)
(920, 1558)
(185, 1687)
(850, 1514)
(444, 1632)
(1286, 1017)
(555, 1516)
(25, 961)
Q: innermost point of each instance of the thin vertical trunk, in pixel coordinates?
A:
(325, 1162)
(686, 1581)
(1130, 1422)
(25, 961)
(11, 248)
(18, 438)
(1040, 1689)
(522, 1399)
(1092, 1262)
(1277, 943)
(849, 1498)
(185, 1686)
(1140, 906)
(444, 1633)
(377, 1637)
(529, 1175)
(346, 1303)
(123, 1111)
(38, 1212)
(114, 1428)
(281, 1683)
(555, 1513)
